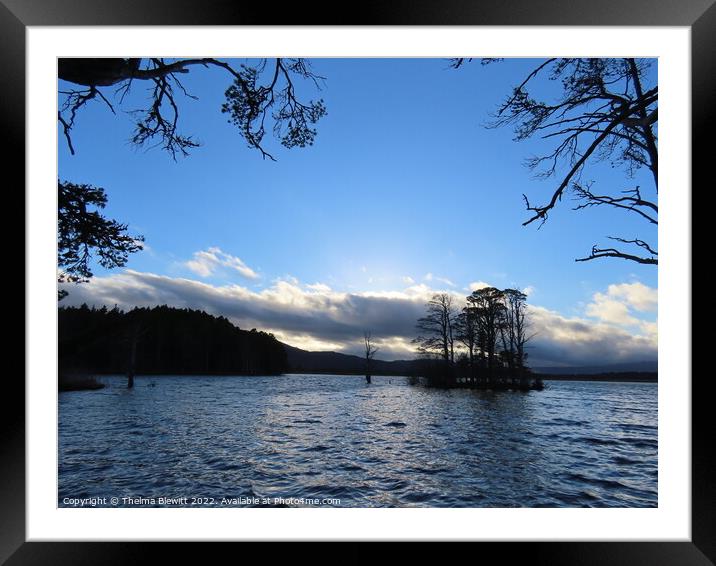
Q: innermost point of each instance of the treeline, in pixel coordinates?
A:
(162, 340)
(632, 376)
(481, 345)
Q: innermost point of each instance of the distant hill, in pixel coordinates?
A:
(638, 376)
(303, 361)
(651, 367)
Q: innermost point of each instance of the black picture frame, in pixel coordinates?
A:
(699, 15)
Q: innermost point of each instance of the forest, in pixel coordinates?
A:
(161, 340)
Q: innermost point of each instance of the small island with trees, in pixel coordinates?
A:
(489, 336)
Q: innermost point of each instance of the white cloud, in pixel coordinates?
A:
(446, 281)
(638, 296)
(319, 288)
(443, 280)
(306, 341)
(620, 304)
(477, 285)
(649, 329)
(206, 262)
(610, 310)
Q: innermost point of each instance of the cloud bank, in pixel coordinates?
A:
(316, 317)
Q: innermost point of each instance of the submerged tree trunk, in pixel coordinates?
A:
(370, 351)
(132, 360)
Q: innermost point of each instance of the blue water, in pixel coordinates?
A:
(333, 440)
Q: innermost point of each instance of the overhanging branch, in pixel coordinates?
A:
(613, 252)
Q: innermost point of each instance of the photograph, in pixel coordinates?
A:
(357, 282)
(396, 280)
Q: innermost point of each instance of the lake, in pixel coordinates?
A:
(336, 441)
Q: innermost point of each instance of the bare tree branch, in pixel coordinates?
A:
(248, 102)
(630, 203)
(613, 252)
(604, 112)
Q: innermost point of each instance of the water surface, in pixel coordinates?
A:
(335, 438)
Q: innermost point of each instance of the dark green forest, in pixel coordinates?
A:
(165, 340)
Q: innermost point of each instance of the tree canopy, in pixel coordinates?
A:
(607, 110)
(83, 232)
(260, 96)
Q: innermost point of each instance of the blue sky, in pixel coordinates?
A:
(404, 192)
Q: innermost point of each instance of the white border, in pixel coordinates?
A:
(670, 521)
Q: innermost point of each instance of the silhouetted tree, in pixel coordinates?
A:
(436, 328)
(436, 341)
(489, 311)
(467, 331)
(370, 351)
(260, 95)
(514, 332)
(607, 111)
(84, 232)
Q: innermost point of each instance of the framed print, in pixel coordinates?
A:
(253, 334)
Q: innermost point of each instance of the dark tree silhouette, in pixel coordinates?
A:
(436, 328)
(489, 309)
(133, 334)
(258, 96)
(467, 332)
(161, 340)
(493, 330)
(514, 332)
(370, 351)
(84, 232)
(607, 111)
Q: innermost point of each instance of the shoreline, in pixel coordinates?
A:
(630, 377)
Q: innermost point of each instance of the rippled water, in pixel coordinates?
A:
(334, 437)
